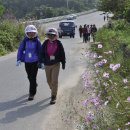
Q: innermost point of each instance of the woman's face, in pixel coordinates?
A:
(31, 34)
(51, 36)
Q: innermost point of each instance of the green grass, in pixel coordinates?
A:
(117, 40)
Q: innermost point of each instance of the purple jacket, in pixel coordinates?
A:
(29, 50)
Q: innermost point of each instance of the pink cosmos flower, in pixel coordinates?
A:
(104, 61)
(95, 55)
(85, 103)
(89, 117)
(111, 66)
(128, 99)
(106, 75)
(114, 67)
(84, 76)
(95, 101)
(100, 63)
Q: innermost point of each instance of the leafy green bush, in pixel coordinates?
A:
(121, 25)
(2, 50)
(10, 35)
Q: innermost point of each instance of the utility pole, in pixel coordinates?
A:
(67, 4)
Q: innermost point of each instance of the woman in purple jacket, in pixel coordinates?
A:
(28, 52)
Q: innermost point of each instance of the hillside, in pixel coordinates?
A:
(45, 8)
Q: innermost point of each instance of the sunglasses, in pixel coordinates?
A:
(51, 35)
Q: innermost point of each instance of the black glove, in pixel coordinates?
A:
(63, 66)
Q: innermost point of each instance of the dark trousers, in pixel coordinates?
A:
(85, 37)
(31, 70)
(80, 34)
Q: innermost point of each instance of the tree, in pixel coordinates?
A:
(2, 9)
(118, 7)
(22, 8)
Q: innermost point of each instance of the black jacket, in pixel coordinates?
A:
(59, 54)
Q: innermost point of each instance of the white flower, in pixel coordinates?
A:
(100, 57)
(97, 71)
(110, 52)
(117, 105)
(106, 103)
(126, 87)
(99, 45)
(125, 81)
(105, 84)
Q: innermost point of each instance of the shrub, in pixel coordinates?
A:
(10, 35)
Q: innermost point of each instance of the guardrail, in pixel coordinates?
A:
(48, 20)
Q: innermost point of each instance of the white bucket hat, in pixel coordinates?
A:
(31, 28)
(52, 31)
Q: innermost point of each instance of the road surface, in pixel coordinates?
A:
(16, 113)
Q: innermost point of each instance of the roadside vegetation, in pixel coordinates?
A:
(112, 79)
(108, 107)
(11, 33)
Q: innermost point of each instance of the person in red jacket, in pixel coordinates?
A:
(52, 54)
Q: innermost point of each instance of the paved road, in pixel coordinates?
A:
(16, 113)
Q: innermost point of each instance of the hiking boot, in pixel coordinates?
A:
(53, 99)
(30, 98)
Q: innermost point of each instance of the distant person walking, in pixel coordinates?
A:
(107, 17)
(28, 52)
(85, 35)
(93, 32)
(88, 33)
(104, 17)
(80, 31)
(52, 53)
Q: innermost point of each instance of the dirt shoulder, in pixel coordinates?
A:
(66, 114)
(68, 109)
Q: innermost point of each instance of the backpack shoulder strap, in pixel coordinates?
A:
(24, 44)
